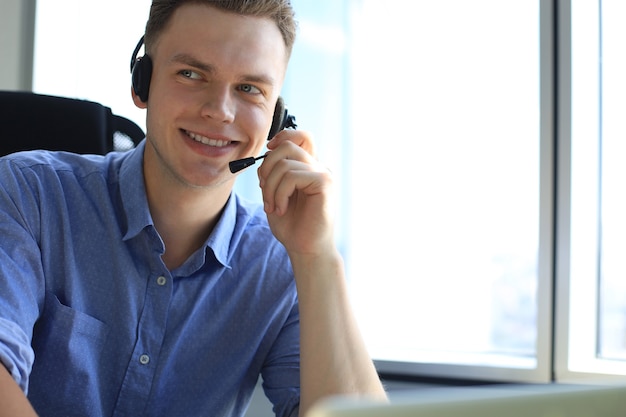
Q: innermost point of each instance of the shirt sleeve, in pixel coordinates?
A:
(21, 283)
(15, 352)
(281, 373)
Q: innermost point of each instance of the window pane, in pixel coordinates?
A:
(590, 322)
(444, 215)
(613, 172)
(83, 50)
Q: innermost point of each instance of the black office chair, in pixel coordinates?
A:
(33, 121)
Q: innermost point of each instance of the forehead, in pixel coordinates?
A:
(223, 39)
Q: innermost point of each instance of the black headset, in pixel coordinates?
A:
(141, 70)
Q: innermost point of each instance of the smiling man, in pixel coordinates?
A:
(138, 283)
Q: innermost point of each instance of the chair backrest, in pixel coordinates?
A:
(33, 121)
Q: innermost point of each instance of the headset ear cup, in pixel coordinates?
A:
(142, 73)
(280, 112)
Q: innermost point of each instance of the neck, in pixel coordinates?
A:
(184, 216)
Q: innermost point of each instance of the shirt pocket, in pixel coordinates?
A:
(64, 324)
(70, 360)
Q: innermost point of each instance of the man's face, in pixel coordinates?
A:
(214, 86)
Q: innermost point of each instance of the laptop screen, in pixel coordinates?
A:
(550, 400)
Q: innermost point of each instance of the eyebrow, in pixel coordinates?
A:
(193, 62)
(196, 63)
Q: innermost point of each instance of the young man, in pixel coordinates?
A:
(138, 284)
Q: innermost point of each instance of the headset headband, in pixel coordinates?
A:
(133, 59)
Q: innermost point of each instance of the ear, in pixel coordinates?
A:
(137, 100)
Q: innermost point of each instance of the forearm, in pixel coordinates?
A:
(333, 356)
(13, 402)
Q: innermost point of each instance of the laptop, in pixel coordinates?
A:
(549, 400)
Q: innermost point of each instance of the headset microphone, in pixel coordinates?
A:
(239, 164)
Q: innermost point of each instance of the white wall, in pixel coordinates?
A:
(17, 22)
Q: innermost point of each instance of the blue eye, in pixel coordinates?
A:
(190, 74)
(250, 89)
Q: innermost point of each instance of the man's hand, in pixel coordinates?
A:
(297, 193)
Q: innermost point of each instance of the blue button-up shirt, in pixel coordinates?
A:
(92, 323)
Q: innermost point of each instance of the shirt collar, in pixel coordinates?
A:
(218, 246)
(135, 203)
(220, 240)
(133, 192)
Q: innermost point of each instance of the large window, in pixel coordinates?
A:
(479, 189)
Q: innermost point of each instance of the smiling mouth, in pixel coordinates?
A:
(207, 141)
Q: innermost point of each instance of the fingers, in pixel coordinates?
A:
(300, 138)
(289, 169)
(280, 175)
(288, 187)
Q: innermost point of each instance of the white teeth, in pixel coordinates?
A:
(207, 141)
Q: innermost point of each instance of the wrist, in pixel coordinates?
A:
(319, 276)
(324, 260)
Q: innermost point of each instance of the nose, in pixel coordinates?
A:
(219, 105)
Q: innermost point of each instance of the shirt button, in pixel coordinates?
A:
(144, 359)
(161, 281)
